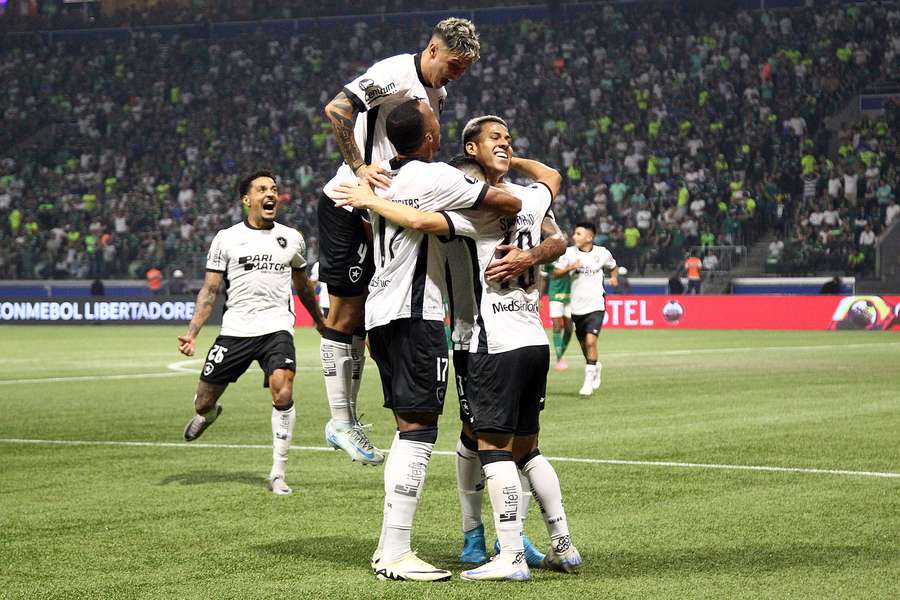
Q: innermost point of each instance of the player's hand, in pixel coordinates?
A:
(356, 195)
(186, 345)
(375, 176)
(515, 262)
(575, 265)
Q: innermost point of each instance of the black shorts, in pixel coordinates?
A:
(230, 356)
(588, 323)
(411, 355)
(507, 390)
(461, 370)
(345, 254)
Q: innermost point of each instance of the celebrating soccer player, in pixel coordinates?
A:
(357, 115)
(586, 263)
(259, 259)
(508, 350)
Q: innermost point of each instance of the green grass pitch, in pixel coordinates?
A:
(171, 520)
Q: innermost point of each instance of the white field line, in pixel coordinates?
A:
(589, 461)
(180, 368)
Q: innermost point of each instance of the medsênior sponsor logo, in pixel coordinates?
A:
(516, 306)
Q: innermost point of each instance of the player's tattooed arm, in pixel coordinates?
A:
(306, 291)
(340, 114)
(516, 261)
(206, 300)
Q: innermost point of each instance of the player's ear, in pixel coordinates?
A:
(246, 201)
(470, 149)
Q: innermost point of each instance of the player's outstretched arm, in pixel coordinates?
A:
(206, 300)
(341, 114)
(537, 171)
(362, 196)
(614, 277)
(516, 261)
(306, 291)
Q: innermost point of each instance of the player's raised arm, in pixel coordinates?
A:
(206, 300)
(539, 172)
(341, 113)
(501, 202)
(306, 291)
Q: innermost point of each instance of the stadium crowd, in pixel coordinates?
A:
(707, 130)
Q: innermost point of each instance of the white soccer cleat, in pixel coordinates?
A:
(500, 568)
(587, 389)
(563, 556)
(596, 382)
(279, 487)
(355, 443)
(409, 568)
(198, 424)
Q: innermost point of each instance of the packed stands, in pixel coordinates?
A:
(673, 129)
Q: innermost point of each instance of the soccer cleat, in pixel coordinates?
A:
(562, 365)
(376, 558)
(474, 550)
(533, 557)
(409, 568)
(500, 568)
(197, 425)
(587, 389)
(279, 487)
(354, 442)
(562, 556)
(596, 382)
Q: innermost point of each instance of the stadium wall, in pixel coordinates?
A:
(622, 312)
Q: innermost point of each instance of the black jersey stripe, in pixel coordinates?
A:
(476, 282)
(371, 120)
(448, 278)
(420, 276)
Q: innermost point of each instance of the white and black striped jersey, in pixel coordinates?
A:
(587, 280)
(374, 94)
(508, 314)
(460, 292)
(257, 265)
(410, 265)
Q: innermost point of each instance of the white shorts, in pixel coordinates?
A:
(560, 309)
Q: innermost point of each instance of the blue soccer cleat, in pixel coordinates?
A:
(474, 550)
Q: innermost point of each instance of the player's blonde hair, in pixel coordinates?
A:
(460, 37)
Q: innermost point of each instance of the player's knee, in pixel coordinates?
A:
(523, 458)
(427, 435)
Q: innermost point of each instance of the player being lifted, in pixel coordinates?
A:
(357, 115)
(586, 264)
(508, 352)
(258, 260)
(405, 320)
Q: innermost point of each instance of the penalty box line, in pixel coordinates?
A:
(589, 461)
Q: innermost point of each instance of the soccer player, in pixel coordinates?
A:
(508, 352)
(559, 293)
(321, 288)
(586, 264)
(405, 319)
(258, 260)
(357, 115)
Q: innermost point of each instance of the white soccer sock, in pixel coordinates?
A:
(358, 358)
(590, 371)
(502, 482)
(470, 485)
(387, 466)
(545, 486)
(282, 432)
(526, 498)
(403, 483)
(337, 367)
